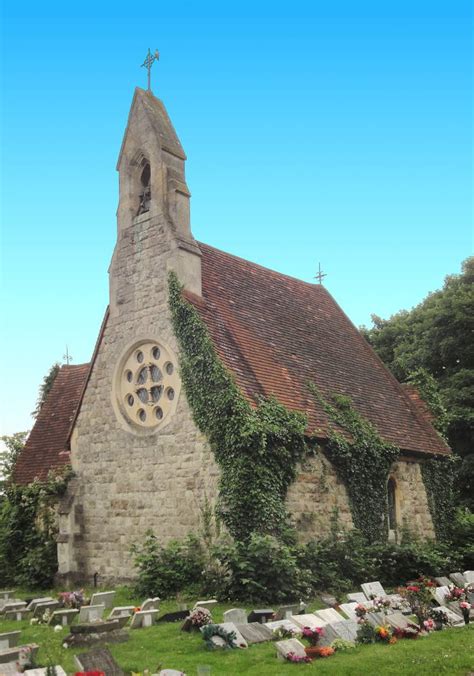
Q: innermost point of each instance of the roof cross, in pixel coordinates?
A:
(320, 276)
(149, 61)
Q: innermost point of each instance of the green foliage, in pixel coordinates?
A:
(362, 460)
(428, 388)
(257, 449)
(165, 571)
(28, 532)
(14, 445)
(462, 537)
(439, 477)
(45, 387)
(437, 337)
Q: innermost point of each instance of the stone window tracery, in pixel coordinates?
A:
(147, 385)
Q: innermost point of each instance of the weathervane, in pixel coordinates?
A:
(320, 276)
(149, 61)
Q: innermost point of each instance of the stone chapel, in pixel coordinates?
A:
(123, 421)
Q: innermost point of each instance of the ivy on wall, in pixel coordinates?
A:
(28, 529)
(439, 478)
(257, 449)
(362, 460)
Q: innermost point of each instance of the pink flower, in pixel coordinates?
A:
(464, 604)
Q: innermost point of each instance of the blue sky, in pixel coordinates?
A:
(333, 131)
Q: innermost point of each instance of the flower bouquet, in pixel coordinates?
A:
(466, 610)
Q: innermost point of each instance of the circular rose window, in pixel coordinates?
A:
(147, 385)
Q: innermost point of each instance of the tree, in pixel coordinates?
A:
(437, 336)
(45, 387)
(14, 444)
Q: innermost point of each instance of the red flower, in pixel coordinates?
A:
(413, 588)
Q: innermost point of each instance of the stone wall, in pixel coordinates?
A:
(411, 500)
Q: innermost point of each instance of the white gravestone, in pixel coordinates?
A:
(239, 640)
(151, 604)
(330, 615)
(236, 615)
(291, 645)
(440, 594)
(41, 608)
(9, 639)
(372, 589)
(13, 605)
(399, 621)
(349, 608)
(346, 629)
(14, 654)
(123, 611)
(357, 597)
(310, 620)
(469, 576)
(458, 579)
(205, 604)
(64, 616)
(454, 620)
(143, 618)
(287, 611)
(91, 613)
(45, 599)
(286, 624)
(18, 615)
(105, 599)
(443, 581)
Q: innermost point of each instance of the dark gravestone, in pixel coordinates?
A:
(99, 660)
(174, 617)
(261, 615)
(95, 627)
(93, 633)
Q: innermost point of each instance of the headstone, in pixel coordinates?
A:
(63, 616)
(12, 654)
(373, 589)
(34, 602)
(236, 615)
(95, 633)
(329, 615)
(328, 600)
(376, 619)
(105, 599)
(454, 606)
(287, 624)
(287, 611)
(91, 613)
(18, 615)
(443, 581)
(174, 617)
(143, 618)
(9, 639)
(346, 629)
(151, 604)
(458, 579)
(328, 635)
(100, 627)
(13, 605)
(171, 672)
(440, 593)
(357, 597)
(290, 645)
(310, 620)
(121, 611)
(99, 660)
(261, 615)
(7, 594)
(399, 621)
(454, 620)
(41, 608)
(218, 642)
(349, 608)
(205, 604)
(42, 672)
(239, 640)
(469, 576)
(254, 632)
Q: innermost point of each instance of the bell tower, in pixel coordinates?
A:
(153, 194)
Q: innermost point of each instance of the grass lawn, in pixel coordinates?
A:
(450, 651)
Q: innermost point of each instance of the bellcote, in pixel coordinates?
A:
(152, 184)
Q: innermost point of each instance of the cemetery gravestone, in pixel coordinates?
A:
(42, 672)
(285, 612)
(7, 594)
(329, 615)
(13, 605)
(458, 579)
(230, 626)
(376, 619)
(34, 602)
(205, 604)
(346, 629)
(105, 599)
(469, 576)
(18, 615)
(121, 611)
(9, 639)
(174, 617)
(254, 632)
(399, 621)
(291, 645)
(41, 608)
(63, 616)
(443, 581)
(349, 608)
(172, 672)
(13, 654)
(287, 624)
(143, 618)
(373, 589)
(236, 615)
(357, 597)
(151, 604)
(328, 635)
(261, 615)
(99, 660)
(440, 594)
(91, 613)
(454, 620)
(309, 620)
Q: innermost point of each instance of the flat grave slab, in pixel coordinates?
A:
(261, 615)
(99, 660)
(469, 576)
(330, 615)
(91, 613)
(439, 594)
(454, 606)
(286, 624)
(143, 618)
(254, 632)
(151, 604)
(177, 616)
(328, 635)
(286, 611)
(230, 626)
(357, 597)
(290, 645)
(349, 608)
(443, 581)
(13, 605)
(236, 615)
(120, 611)
(34, 602)
(12, 654)
(454, 620)
(64, 616)
(9, 639)
(458, 579)
(18, 615)
(376, 619)
(346, 629)
(41, 608)
(105, 599)
(100, 627)
(373, 589)
(399, 621)
(310, 620)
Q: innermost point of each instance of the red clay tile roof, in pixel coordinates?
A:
(275, 333)
(47, 446)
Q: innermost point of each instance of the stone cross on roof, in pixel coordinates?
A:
(149, 61)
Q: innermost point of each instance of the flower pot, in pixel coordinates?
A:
(312, 651)
(465, 614)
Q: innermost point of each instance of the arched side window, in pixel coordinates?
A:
(144, 196)
(392, 506)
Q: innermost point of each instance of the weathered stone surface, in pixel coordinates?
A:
(230, 626)
(91, 613)
(373, 589)
(101, 627)
(286, 611)
(329, 615)
(143, 618)
(440, 594)
(105, 599)
(83, 640)
(151, 604)
(236, 615)
(12, 654)
(255, 632)
(346, 629)
(458, 579)
(9, 639)
(469, 576)
(443, 581)
(64, 616)
(261, 615)
(99, 660)
(291, 645)
(309, 620)
(174, 617)
(357, 597)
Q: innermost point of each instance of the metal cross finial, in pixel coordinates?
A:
(67, 357)
(320, 276)
(149, 61)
